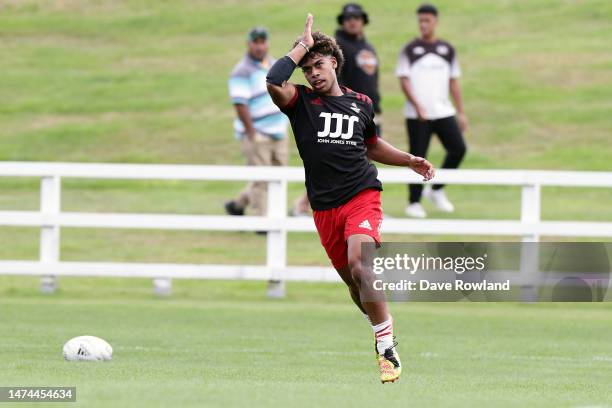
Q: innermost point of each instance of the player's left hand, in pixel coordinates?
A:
(422, 167)
(307, 36)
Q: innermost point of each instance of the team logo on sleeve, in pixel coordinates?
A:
(334, 127)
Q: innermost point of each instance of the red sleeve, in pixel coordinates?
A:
(370, 136)
(291, 105)
(372, 140)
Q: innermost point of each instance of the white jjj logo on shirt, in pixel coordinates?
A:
(339, 118)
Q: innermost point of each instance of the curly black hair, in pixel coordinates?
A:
(324, 45)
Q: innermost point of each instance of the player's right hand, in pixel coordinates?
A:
(307, 36)
(422, 167)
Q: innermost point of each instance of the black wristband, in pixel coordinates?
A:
(281, 71)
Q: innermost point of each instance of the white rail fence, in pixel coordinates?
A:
(50, 219)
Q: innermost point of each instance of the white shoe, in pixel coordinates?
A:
(439, 199)
(415, 210)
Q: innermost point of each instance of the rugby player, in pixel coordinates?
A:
(335, 135)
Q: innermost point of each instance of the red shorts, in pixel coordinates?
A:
(362, 214)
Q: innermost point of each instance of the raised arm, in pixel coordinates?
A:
(383, 152)
(279, 89)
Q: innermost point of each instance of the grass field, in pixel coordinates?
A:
(224, 344)
(144, 81)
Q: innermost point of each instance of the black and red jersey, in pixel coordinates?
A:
(331, 133)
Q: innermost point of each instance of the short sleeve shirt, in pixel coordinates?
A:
(332, 134)
(430, 66)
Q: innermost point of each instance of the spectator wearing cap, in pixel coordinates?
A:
(360, 69)
(259, 124)
(428, 71)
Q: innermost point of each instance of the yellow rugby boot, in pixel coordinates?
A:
(389, 364)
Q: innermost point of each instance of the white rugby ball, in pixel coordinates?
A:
(87, 348)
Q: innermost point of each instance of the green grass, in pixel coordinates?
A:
(223, 344)
(145, 82)
(149, 78)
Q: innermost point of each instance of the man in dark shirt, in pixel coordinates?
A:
(360, 68)
(336, 136)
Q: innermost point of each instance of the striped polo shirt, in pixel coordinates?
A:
(247, 86)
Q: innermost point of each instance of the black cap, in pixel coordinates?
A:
(427, 9)
(352, 10)
(257, 33)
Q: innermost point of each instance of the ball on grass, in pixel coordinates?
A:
(87, 348)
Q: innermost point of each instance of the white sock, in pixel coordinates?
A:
(384, 335)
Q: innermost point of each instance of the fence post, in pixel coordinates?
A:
(49, 251)
(530, 256)
(531, 209)
(276, 256)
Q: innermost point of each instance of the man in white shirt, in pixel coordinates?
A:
(428, 71)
